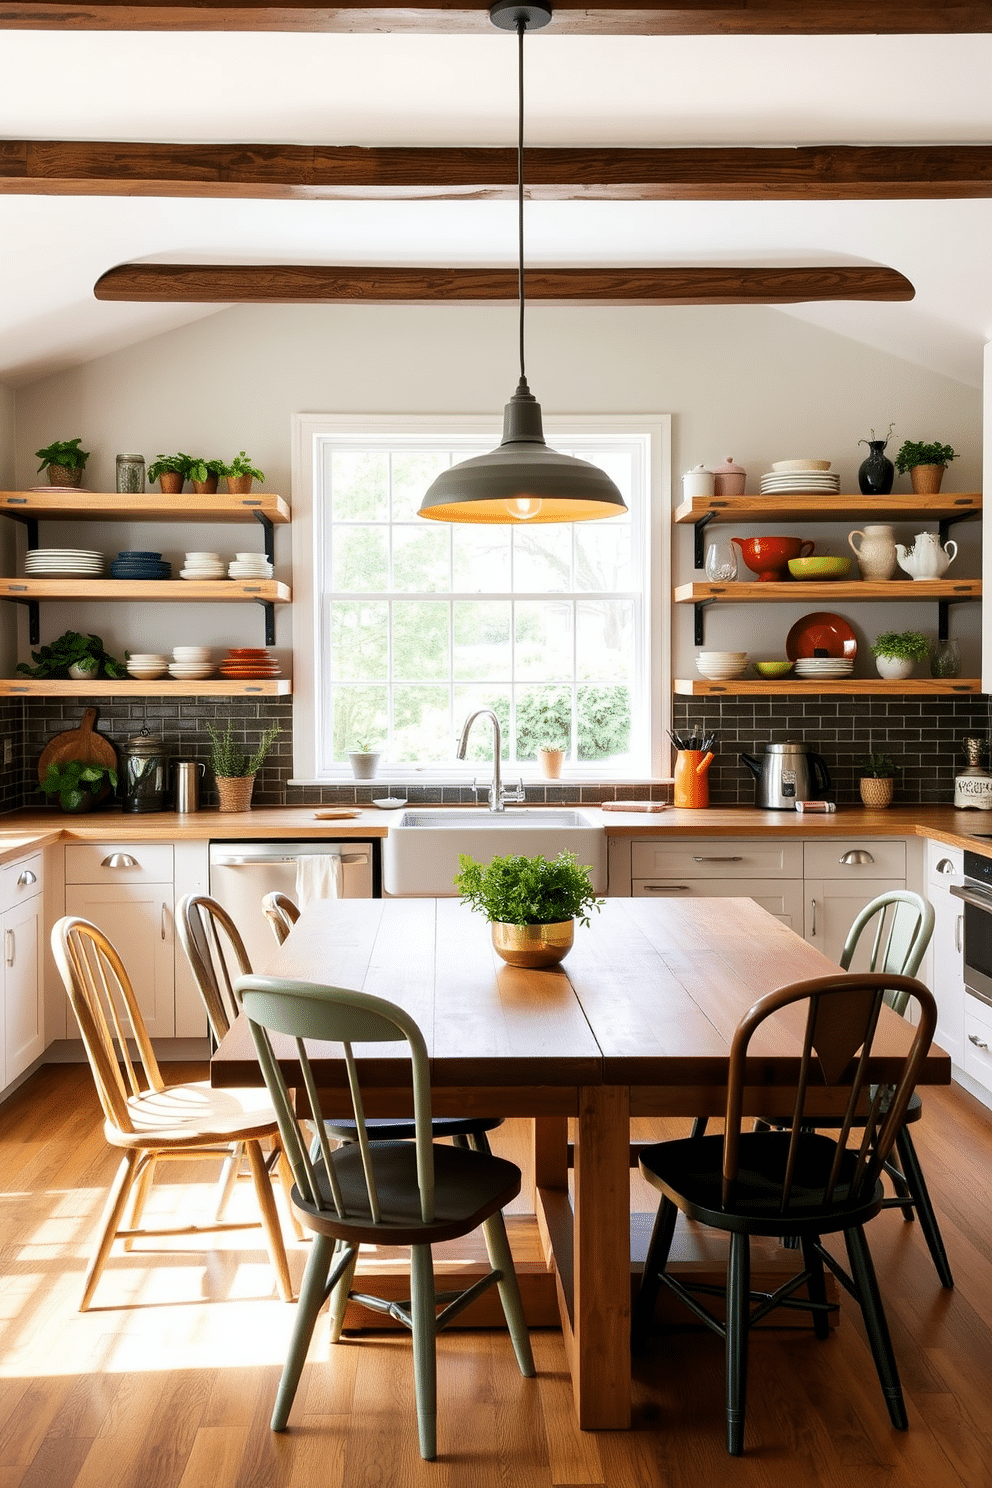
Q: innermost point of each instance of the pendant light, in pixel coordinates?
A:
(523, 480)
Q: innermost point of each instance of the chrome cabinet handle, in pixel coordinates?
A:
(812, 926)
(945, 866)
(163, 920)
(119, 860)
(27, 877)
(9, 947)
(957, 932)
(736, 859)
(856, 858)
(667, 889)
(974, 1039)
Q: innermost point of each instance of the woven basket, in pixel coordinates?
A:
(876, 792)
(61, 475)
(235, 792)
(926, 479)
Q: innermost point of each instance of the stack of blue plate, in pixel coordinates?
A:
(136, 565)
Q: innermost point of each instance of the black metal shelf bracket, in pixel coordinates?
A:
(270, 620)
(34, 617)
(699, 621)
(699, 527)
(946, 523)
(269, 537)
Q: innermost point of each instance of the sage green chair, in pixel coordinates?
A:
(374, 1192)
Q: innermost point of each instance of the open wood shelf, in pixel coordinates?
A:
(842, 687)
(111, 687)
(947, 506)
(67, 505)
(220, 591)
(794, 591)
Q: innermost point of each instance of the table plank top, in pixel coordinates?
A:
(650, 994)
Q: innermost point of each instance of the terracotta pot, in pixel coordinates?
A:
(550, 761)
(926, 479)
(238, 485)
(61, 475)
(533, 945)
(768, 557)
(235, 792)
(207, 487)
(171, 482)
(876, 792)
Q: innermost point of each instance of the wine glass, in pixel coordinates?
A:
(721, 563)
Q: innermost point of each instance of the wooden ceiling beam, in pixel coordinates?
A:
(572, 17)
(808, 173)
(303, 284)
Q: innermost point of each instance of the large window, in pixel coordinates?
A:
(403, 627)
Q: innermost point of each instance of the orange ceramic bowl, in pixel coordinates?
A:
(768, 557)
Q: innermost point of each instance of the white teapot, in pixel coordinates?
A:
(927, 559)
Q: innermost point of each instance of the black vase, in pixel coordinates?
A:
(876, 473)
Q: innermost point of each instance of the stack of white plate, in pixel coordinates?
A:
(813, 477)
(250, 566)
(146, 666)
(202, 566)
(824, 668)
(722, 666)
(63, 563)
(191, 663)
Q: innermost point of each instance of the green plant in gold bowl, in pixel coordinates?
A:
(531, 903)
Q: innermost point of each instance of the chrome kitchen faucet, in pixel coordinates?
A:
(498, 795)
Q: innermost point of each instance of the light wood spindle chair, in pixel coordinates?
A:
(147, 1119)
(282, 913)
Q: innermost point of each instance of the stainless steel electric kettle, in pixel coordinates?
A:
(788, 773)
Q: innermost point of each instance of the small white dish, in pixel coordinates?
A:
(390, 803)
(146, 674)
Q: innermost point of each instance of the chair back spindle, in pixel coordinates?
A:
(216, 955)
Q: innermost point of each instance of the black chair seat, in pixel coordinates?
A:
(384, 1129)
(690, 1173)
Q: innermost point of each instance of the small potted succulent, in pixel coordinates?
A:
(877, 782)
(65, 462)
(897, 652)
(550, 758)
(234, 769)
(531, 903)
(240, 473)
(925, 463)
(78, 785)
(170, 471)
(205, 474)
(364, 760)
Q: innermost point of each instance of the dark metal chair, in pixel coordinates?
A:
(377, 1192)
(796, 1181)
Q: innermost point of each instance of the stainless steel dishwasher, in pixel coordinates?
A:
(242, 872)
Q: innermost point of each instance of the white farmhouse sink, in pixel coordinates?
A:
(420, 855)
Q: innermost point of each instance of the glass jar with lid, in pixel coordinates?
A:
(130, 474)
(144, 772)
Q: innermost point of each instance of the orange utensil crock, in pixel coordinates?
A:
(692, 784)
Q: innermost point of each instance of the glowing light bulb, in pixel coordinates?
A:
(523, 507)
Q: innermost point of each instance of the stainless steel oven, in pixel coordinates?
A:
(975, 894)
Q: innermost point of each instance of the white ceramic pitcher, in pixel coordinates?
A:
(877, 552)
(928, 560)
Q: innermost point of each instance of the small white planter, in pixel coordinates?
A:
(894, 668)
(363, 766)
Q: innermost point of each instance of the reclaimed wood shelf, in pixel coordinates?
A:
(219, 591)
(65, 504)
(124, 687)
(841, 687)
(950, 506)
(795, 591)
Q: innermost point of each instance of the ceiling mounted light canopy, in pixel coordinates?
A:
(522, 480)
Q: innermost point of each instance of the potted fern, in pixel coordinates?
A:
(926, 464)
(234, 768)
(531, 903)
(170, 471)
(877, 782)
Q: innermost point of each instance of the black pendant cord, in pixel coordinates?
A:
(521, 27)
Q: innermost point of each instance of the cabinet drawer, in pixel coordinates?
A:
(21, 880)
(944, 865)
(887, 858)
(136, 862)
(978, 1041)
(781, 897)
(716, 858)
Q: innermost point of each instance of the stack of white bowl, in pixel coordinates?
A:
(145, 666)
(249, 566)
(202, 566)
(191, 663)
(722, 666)
(824, 668)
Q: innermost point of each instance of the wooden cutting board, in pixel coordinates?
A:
(80, 743)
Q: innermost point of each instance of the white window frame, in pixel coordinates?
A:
(654, 430)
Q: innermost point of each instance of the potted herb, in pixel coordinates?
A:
(877, 782)
(531, 903)
(240, 474)
(364, 760)
(205, 474)
(65, 462)
(897, 651)
(234, 769)
(73, 655)
(78, 785)
(170, 471)
(926, 464)
(550, 758)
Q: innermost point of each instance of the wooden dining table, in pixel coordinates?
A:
(636, 1021)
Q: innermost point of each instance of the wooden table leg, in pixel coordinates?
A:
(601, 1300)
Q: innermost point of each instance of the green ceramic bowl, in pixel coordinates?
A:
(772, 668)
(819, 568)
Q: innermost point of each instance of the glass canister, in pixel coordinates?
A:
(144, 770)
(130, 474)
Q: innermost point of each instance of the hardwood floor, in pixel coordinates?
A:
(168, 1381)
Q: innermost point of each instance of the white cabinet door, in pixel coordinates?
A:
(833, 904)
(24, 1002)
(945, 866)
(138, 919)
(782, 898)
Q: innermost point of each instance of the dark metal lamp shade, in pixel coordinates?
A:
(522, 480)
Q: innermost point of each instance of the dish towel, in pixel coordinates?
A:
(318, 876)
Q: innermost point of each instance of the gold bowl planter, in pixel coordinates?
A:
(533, 945)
